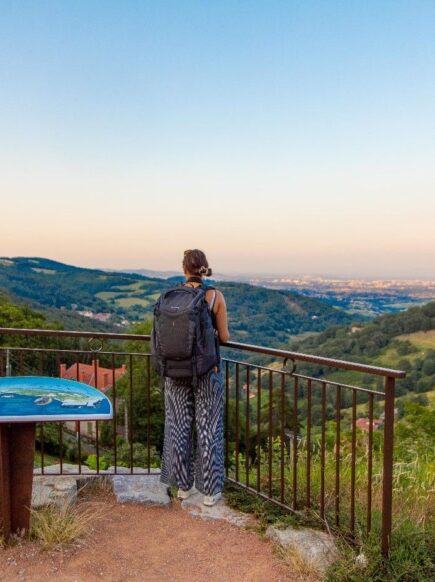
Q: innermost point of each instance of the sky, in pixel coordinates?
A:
(291, 136)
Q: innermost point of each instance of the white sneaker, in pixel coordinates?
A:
(211, 500)
(181, 494)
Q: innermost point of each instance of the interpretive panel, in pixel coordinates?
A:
(40, 398)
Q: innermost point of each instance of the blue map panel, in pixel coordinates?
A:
(40, 398)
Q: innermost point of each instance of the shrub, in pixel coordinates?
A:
(104, 462)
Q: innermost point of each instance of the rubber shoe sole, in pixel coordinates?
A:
(186, 494)
(210, 500)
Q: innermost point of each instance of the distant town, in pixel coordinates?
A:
(369, 297)
(365, 296)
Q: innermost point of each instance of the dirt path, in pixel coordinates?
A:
(133, 542)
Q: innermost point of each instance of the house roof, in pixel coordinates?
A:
(364, 423)
(88, 373)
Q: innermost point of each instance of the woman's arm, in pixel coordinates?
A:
(220, 310)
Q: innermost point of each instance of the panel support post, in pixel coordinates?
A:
(17, 452)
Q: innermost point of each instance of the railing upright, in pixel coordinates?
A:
(387, 485)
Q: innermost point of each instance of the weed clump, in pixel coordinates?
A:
(55, 525)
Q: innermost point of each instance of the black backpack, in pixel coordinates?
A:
(184, 343)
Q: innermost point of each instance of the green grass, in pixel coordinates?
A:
(265, 512)
(136, 286)
(303, 335)
(411, 558)
(153, 296)
(423, 340)
(413, 504)
(44, 271)
(131, 301)
(363, 407)
(390, 358)
(345, 377)
(48, 460)
(107, 295)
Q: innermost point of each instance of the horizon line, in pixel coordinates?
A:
(231, 273)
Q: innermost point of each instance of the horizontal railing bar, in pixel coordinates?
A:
(54, 350)
(262, 495)
(73, 334)
(330, 362)
(256, 366)
(340, 384)
(312, 359)
(101, 472)
(230, 361)
(303, 376)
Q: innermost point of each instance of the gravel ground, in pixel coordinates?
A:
(133, 542)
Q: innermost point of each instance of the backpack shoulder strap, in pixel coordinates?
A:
(213, 301)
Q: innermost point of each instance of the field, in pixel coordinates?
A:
(107, 295)
(362, 408)
(131, 301)
(421, 339)
(136, 286)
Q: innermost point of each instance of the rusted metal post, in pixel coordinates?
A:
(17, 452)
(387, 485)
(5, 487)
(227, 423)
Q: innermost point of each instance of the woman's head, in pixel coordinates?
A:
(195, 263)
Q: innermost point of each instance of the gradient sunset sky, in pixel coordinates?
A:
(291, 137)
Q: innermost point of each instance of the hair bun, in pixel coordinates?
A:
(195, 263)
(205, 271)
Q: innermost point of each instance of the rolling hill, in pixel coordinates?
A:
(114, 300)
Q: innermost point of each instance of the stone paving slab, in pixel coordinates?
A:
(71, 469)
(142, 487)
(145, 489)
(127, 471)
(54, 490)
(315, 547)
(195, 507)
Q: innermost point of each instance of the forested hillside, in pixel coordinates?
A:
(54, 284)
(12, 315)
(113, 300)
(402, 340)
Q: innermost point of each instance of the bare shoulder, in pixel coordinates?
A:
(220, 300)
(219, 294)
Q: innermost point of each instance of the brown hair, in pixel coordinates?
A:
(195, 262)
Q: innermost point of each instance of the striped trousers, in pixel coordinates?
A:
(188, 408)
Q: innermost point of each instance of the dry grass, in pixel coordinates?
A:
(422, 339)
(96, 487)
(296, 563)
(59, 525)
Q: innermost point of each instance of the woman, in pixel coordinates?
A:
(200, 403)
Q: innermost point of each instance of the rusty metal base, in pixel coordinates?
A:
(17, 452)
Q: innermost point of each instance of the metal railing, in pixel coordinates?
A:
(291, 435)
